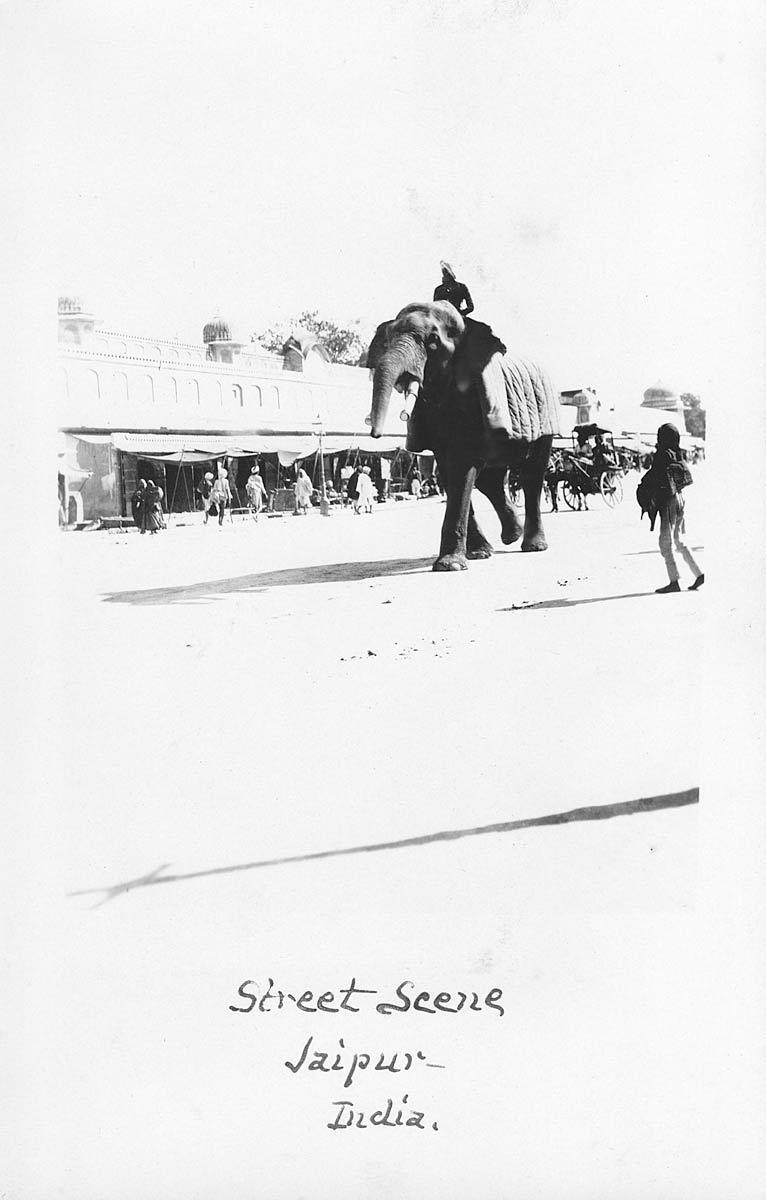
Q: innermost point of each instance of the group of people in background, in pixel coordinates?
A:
(359, 490)
(146, 506)
(215, 494)
(214, 491)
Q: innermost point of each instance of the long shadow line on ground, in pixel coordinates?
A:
(534, 604)
(348, 572)
(594, 812)
(563, 603)
(632, 553)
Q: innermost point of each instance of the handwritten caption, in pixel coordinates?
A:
(345, 1063)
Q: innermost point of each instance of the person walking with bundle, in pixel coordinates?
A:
(137, 504)
(153, 519)
(204, 491)
(256, 492)
(660, 494)
(221, 494)
(352, 482)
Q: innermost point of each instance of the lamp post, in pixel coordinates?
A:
(324, 503)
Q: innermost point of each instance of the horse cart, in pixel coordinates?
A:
(580, 470)
(591, 468)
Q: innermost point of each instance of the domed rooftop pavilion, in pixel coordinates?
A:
(662, 397)
(222, 344)
(75, 322)
(216, 330)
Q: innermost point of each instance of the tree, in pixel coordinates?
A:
(694, 414)
(342, 345)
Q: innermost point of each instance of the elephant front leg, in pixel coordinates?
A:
(532, 476)
(491, 482)
(452, 551)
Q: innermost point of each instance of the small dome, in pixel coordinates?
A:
(661, 396)
(216, 331)
(70, 305)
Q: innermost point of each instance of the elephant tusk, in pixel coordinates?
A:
(409, 400)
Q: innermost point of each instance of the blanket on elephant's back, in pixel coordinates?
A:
(506, 398)
(531, 408)
(515, 396)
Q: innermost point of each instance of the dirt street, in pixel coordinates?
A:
(280, 748)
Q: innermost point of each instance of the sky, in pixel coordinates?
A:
(591, 168)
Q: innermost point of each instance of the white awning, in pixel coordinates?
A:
(197, 447)
(334, 443)
(213, 445)
(292, 448)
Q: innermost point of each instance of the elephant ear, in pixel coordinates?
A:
(477, 368)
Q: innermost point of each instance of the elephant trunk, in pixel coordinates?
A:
(385, 375)
(399, 365)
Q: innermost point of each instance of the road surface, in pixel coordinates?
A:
(289, 751)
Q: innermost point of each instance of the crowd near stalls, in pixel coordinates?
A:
(394, 474)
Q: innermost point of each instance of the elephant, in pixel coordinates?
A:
(479, 411)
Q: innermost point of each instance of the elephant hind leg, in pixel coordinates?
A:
(532, 475)
(476, 545)
(491, 483)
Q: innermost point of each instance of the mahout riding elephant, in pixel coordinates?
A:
(480, 412)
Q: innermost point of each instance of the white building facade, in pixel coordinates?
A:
(126, 399)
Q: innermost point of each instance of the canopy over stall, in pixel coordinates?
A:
(172, 447)
(290, 450)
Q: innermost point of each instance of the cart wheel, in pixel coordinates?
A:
(610, 486)
(571, 494)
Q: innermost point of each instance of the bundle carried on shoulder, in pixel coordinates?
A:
(646, 495)
(661, 482)
(680, 476)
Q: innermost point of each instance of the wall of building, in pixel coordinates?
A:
(113, 382)
(101, 389)
(101, 493)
